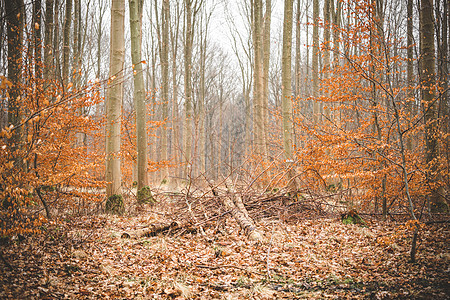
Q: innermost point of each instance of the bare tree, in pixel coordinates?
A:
(114, 98)
(139, 96)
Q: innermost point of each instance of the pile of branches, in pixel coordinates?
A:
(197, 207)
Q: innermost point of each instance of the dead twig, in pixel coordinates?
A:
(229, 266)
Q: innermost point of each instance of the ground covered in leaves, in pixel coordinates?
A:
(107, 257)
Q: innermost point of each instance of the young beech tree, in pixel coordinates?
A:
(114, 98)
(139, 92)
(286, 98)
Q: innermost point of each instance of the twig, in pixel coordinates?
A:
(228, 266)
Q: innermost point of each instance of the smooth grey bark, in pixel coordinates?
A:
(428, 81)
(258, 93)
(286, 97)
(188, 40)
(315, 63)
(327, 48)
(165, 23)
(48, 39)
(135, 7)
(265, 76)
(114, 98)
(174, 30)
(66, 43)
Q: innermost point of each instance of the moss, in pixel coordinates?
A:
(115, 205)
(144, 195)
(352, 217)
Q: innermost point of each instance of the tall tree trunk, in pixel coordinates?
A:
(164, 59)
(428, 80)
(202, 100)
(187, 136)
(48, 39)
(37, 45)
(315, 63)
(336, 25)
(265, 76)
(135, 7)
(15, 15)
(286, 97)
(56, 53)
(66, 43)
(76, 36)
(327, 47)
(297, 74)
(114, 98)
(175, 116)
(258, 114)
(99, 37)
(409, 65)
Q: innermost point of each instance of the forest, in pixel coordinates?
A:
(224, 149)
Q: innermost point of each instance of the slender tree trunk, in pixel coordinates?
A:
(37, 14)
(48, 39)
(202, 100)
(15, 15)
(297, 74)
(56, 53)
(315, 63)
(443, 76)
(175, 116)
(265, 76)
(327, 46)
(164, 58)
(76, 36)
(258, 134)
(66, 43)
(336, 25)
(135, 7)
(428, 96)
(187, 136)
(409, 65)
(286, 98)
(114, 98)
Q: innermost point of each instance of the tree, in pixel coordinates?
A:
(315, 63)
(188, 40)
(410, 63)
(37, 43)
(174, 31)
(191, 9)
(15, 21)
(265, 75)
(114, 98)
(286, 98)
(164, 58)
(139, 93)
(66, 44)
(48, 39)
(258, 83)
(428, 81)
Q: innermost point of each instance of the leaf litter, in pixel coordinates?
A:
(90, 257)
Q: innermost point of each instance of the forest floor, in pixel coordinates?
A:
(105, 257)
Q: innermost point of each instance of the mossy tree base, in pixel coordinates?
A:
(115, 205)
(144, 195)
